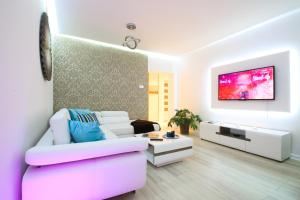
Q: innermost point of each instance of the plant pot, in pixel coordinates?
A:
(184, 129)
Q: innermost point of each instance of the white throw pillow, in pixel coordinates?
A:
(60, 127)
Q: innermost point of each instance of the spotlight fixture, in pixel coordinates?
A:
(130, 41)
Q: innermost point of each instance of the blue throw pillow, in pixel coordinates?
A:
(74, 112)
(90, 117)
(85, 131)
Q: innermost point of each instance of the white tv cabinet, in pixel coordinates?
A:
(269, 143)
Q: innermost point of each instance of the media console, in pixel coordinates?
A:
(269, 143)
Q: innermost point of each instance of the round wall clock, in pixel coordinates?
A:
(45, 47)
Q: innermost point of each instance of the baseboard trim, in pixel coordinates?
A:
(295, 156)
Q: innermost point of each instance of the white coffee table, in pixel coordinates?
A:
(168, 151)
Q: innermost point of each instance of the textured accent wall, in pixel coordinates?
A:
(88, 75)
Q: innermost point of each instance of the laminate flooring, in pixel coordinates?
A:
(216, 172)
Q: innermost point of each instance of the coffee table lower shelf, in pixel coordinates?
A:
(168, 157)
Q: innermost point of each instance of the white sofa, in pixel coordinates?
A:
(118, 122)
(61, 170)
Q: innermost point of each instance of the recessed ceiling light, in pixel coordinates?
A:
(131, 26)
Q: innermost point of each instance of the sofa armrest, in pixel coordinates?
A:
(55, 154)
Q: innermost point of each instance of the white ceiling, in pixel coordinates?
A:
(166, 26)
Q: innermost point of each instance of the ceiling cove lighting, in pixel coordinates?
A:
(252, 55)
(294, 80)
(148, 53)
(244, 31)
(51, 10)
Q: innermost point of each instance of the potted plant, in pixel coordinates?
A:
(185, 119)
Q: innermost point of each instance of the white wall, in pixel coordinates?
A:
(195, 74)
(281, 64)
(26, 99)
(156, 64)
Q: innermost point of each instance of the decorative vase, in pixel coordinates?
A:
(184, 129)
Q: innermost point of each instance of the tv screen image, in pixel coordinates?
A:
(256, 84)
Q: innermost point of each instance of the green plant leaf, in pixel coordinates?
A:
(184, 116)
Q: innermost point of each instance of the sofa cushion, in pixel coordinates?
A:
(85, 131)
(74, 112)
(120, 129)
(113, 114)
(59, 127)
(113, 120)
(108, 133)
(88, 117)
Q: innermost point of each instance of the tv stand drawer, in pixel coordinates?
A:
(232, 142)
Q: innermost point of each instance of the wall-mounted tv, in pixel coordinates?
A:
(253, 84)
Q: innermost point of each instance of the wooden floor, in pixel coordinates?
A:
(222, 173)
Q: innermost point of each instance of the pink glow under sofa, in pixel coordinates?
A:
(61, 170)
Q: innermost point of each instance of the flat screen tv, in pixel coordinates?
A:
(253, 84)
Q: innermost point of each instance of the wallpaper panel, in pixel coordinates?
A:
(87, 75)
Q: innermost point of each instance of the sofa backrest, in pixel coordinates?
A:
(113, 114)
(59, 127)
(112, 117)
(116, 121)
